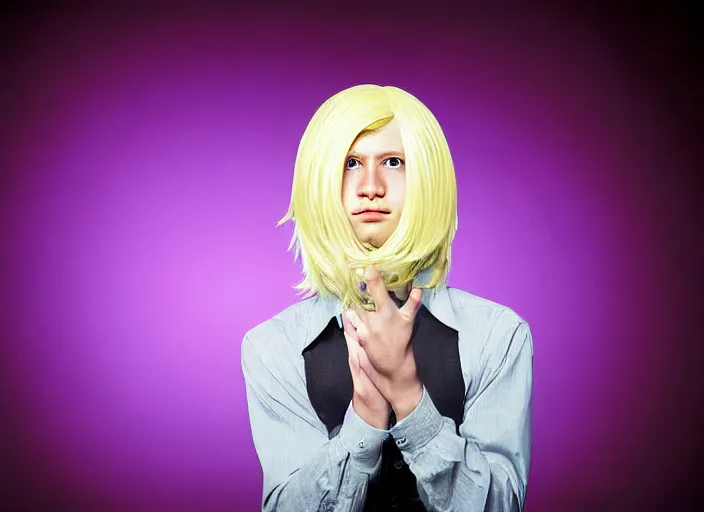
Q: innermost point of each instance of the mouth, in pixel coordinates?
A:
(371, 216)
(371, 211)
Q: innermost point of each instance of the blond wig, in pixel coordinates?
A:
(323, 237)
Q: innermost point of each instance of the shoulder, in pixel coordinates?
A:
(494, 327)
(278, 334)
(468, 306)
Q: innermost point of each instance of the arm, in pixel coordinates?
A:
(303, 470)
(485, 468)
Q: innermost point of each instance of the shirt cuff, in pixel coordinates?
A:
(362, 441)
(418, 428)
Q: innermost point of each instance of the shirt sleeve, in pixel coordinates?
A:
(485, 467)
(303, 469)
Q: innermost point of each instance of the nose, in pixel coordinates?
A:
(371, 184)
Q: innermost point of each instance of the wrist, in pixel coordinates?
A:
(404, 387)
(407, 400)
(377, 417)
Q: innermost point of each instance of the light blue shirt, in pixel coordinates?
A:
(484, 468)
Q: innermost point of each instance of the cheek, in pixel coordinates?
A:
(397, 191)
(347, 193)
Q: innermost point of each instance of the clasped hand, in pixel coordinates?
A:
(381, 356)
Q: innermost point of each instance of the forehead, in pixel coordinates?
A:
(387, 138)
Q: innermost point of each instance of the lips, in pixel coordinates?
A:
(371, 210)
(372, 216)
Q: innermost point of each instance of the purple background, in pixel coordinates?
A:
(147, 154)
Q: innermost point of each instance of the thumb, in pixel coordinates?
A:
(412, 305)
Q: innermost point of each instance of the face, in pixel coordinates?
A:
(374, 184)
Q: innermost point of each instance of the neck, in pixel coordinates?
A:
(402, 293)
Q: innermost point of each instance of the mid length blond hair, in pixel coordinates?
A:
(323, 236)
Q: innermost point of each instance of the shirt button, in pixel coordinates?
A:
(361, 443)
(394, 501)
(398, 464)
(401, 441)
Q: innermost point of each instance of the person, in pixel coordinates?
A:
(383, 388)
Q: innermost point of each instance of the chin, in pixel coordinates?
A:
(371, 237)
(374, 241)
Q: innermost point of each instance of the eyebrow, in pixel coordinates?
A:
(383, 154)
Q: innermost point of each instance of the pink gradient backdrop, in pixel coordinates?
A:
(149, 153)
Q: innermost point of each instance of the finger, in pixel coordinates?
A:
(412, 305)
(348, 325)
(353, 355)
(377, 290)
(366, 381)
(365, 364)
(360, 378)
(361, 315)
(360, 328)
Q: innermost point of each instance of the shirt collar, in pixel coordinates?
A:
(325, 308)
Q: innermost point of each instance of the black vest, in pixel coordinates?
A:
(330, 389)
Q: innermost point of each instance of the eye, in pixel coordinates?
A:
(394, 162)
(352, 163)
